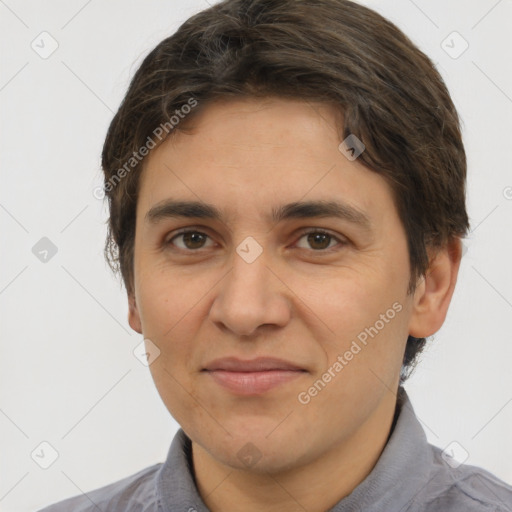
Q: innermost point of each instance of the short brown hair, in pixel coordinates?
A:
(336, 51)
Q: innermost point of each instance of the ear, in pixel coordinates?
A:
(434, 293)
(133, 314)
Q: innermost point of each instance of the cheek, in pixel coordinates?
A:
(171, 315)
(350, 300)
(177, 390)
(366, 312)
(165, 299)
(170, 311)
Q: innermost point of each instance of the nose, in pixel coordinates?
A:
(250, 296)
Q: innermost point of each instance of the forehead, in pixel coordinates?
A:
(250, 155)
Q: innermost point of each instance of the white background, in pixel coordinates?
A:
(68, 375)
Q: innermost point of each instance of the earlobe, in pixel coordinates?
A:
(133, 314)
(433, 295)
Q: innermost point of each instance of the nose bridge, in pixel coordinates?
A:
(249, 274)
(248, 283)
(249, 295)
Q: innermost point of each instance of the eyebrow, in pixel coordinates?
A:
(170, 208)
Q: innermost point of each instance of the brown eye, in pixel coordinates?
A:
(191, 240)
(319, 240)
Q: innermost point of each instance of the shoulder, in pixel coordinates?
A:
(465, 488)
(136, 492)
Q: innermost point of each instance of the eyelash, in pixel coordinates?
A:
(341, 242)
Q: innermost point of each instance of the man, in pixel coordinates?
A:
(286, 183)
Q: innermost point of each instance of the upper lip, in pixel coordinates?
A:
(260, 364)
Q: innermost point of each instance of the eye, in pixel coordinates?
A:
(192, 240)
(319, 240)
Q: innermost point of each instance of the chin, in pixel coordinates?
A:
(255, 450)
(263, 460)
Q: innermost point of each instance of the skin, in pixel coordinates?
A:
(301, 300)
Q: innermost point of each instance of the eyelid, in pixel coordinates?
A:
(189, 229)
(342, 240)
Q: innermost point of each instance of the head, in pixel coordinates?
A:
(244, 111)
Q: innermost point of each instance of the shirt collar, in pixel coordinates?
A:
(400, 473)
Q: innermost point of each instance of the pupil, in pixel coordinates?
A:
(193, 237)
(196, 238)
(318, 237)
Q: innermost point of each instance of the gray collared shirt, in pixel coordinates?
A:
(411, 475)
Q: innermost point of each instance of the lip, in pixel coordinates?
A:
(252, 377)
(259, 364)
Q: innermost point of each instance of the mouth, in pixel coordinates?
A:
(252, 377)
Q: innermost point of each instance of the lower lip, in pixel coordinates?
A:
(253, 383)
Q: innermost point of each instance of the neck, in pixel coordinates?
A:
(315, 487)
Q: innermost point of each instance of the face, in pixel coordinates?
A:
(276, 324)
